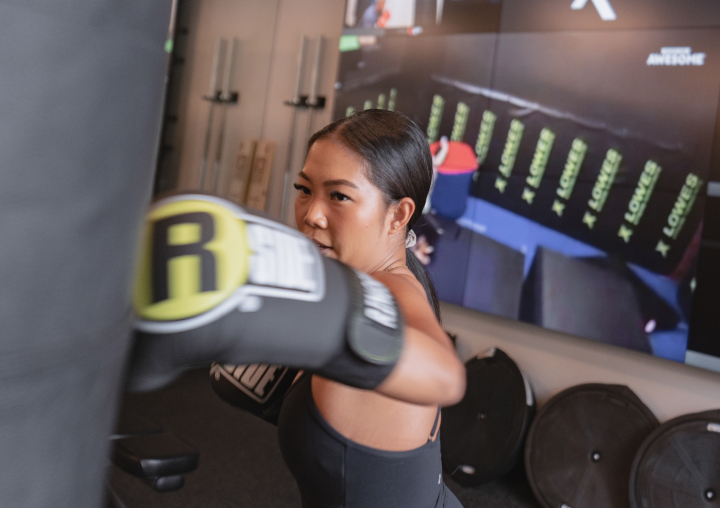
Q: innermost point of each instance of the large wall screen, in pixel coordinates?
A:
(573, 143)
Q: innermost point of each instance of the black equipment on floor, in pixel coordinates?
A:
(241, 461)
(257, 388)
(678, 465)
(143, 449)
(482, 435)
(580, 447)
(132, 424)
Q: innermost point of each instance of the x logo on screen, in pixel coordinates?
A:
(603, 7)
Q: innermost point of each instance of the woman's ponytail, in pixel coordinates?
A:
(418, 270)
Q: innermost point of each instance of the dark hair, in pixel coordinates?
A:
(398, 162)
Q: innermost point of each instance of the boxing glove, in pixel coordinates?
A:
(216, 283)
(257, 388)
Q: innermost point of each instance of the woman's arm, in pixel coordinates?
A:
(282, 330)
(429, 371)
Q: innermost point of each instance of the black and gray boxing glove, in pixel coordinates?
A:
(218, 284)
(257, 388)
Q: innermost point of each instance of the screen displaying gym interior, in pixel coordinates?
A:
(572, 145)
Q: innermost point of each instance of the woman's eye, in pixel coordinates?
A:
(302, 188)
(338, 195)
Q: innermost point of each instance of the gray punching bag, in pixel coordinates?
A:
(81, 88)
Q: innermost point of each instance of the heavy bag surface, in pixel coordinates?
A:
(678, 465)
(258, 388)
(80, 114)
(580, 447)
(482, 435)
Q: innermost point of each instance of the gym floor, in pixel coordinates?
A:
(240, 462)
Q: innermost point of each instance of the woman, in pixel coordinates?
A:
(363, 186)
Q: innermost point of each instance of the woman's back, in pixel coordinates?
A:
(334, 471)
(371, 419)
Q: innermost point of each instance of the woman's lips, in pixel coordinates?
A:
(323, 248)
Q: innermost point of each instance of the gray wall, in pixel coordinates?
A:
(554, 361)
(268, 32)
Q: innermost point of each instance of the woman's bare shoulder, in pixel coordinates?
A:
(412, 300)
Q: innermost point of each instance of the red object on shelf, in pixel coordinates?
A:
(460, 159)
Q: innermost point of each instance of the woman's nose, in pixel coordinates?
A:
(315, 215)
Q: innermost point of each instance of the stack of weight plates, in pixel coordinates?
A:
(678, 465)
(482, 436)
(581, 446)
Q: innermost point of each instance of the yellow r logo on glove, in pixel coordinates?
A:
(194, 256)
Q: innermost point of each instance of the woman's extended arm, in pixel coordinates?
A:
(280, 329)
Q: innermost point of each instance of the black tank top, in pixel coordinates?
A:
(334, 472)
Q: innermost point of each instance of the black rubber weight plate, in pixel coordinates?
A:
(581, 446)
(482, 435)
(678, 465)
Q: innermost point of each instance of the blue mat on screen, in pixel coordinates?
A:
(475, 266)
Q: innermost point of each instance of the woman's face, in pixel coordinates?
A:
(342, 211)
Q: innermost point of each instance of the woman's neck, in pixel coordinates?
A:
(396, 258)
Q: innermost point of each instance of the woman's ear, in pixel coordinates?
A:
(402, 212)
